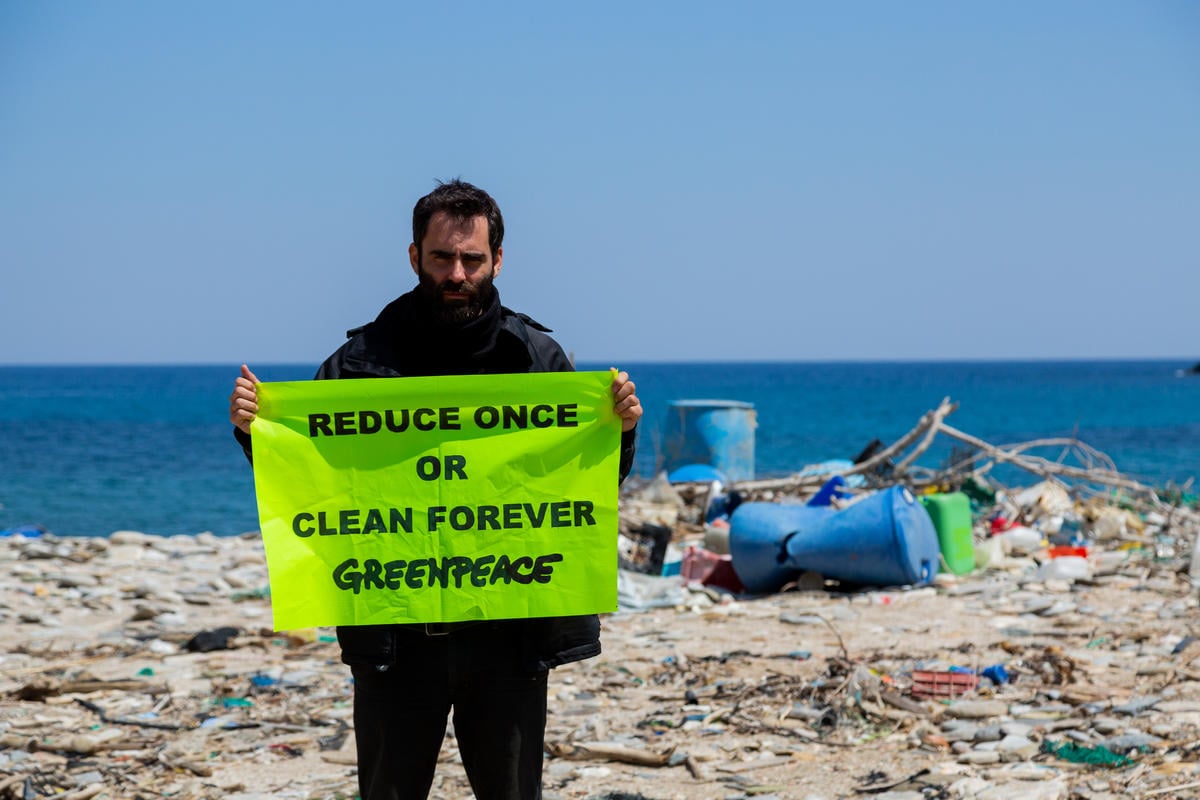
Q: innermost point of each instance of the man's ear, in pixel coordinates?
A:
(414, 258)
(497, 261)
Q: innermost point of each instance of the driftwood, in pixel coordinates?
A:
(1095, 473)
(603, 751)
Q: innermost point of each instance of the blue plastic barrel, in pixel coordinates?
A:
(886, 539)
(719, 433)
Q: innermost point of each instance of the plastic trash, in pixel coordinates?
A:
(949, 683)
(27, 531)
(643, 547)
(1079, 754)
(1065, 568)
(696, 473)
(1194, 568)
(1022, 540)
(834, 488)
(997, 674)
(710, 569)
(207, 641)
(951, 516)
(884, 539)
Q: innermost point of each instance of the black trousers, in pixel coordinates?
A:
(499, 715)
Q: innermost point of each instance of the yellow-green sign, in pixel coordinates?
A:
(438, 499)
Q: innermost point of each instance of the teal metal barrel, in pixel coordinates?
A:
(719, 433)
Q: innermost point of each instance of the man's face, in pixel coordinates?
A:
(455, 267)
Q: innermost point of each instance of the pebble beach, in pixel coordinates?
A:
(139, 666)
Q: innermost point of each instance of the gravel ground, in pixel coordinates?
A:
(801, 694)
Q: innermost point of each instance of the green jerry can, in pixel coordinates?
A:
(951, 515)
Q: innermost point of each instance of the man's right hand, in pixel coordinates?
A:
(243, 403)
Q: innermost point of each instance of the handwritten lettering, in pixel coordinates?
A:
(430, 573)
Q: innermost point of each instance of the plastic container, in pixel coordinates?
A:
(885, 539)
(709, 569)
(1022, 540)
(951, 516)
(719, 433)
(697, 473)
(1058, 551)
(1074, 568)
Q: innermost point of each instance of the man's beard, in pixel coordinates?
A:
(456, 312)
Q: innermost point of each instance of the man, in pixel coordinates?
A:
(493, 674)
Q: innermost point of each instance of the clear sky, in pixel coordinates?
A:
(226, 182)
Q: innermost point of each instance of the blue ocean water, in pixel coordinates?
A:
(90, 450)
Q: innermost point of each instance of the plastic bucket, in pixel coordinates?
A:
(886, 539)
(719, 433)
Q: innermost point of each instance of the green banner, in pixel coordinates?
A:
(438, 499)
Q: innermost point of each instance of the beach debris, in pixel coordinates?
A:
(1026, 676)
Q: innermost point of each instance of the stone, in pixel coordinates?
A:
(130, 537)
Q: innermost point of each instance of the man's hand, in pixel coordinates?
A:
(243, 403)
(625, 401)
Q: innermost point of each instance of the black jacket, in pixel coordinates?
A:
(405, 341)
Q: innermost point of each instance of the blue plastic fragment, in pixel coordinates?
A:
(692, 473)
(833, 488)
(28, 531)
(997, 674)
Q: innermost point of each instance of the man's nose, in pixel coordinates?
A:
(458, 270)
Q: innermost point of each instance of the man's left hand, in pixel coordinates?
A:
(625, 401)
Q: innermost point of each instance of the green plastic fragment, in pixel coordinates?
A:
(260, 593)
(979, 492)
(238, 702)
(145, 671)
(1078, 754)
(1094, 643)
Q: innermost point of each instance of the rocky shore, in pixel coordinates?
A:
(146, 667)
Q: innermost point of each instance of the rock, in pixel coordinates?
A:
(130, 537)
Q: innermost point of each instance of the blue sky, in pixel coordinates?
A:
(227, 182)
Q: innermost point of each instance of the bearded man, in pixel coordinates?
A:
(408, 677)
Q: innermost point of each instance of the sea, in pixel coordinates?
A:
(89, 450)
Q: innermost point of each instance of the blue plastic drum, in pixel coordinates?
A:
(886, 539)
(719, 433)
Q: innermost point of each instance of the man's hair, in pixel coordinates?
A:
(462, 201)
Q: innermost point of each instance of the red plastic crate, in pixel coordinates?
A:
(943, 684)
